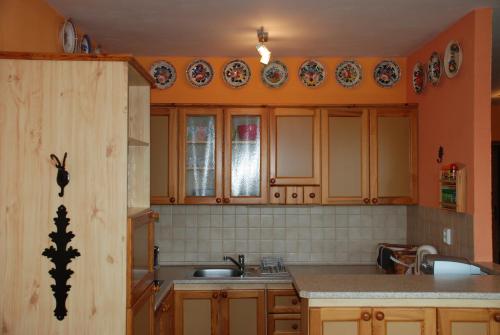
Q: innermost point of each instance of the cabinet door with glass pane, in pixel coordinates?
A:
(200, 155)
(245, 155)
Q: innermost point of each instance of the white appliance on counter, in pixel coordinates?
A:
(421, 252)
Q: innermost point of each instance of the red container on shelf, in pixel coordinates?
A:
(247, 132)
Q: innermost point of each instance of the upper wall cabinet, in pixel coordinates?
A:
(163, 155)
(393, 156)
(245, 155)
(200, 155)
(295, 146)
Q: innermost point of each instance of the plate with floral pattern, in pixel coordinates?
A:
(312, 73)
(434, 69)
(236, 73)
(274, 74)
(387, 73)
(348, 73)
(452, 59)
(199, 73)
(418, 78)
(163, 74)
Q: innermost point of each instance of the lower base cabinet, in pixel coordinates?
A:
(225, 312)
(472, 321)
(140, 317)
(164, 316)
(373, 321)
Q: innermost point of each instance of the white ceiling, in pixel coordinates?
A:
(296, 27)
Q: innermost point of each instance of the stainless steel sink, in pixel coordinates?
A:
(217, 273)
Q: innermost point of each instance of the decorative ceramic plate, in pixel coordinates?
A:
(312, 73)
(236, 73)
(348, 73)
(418, 76)
(163, 73)
(452, 59)
(199, 73)
(434, 69)
(274, 74)
(85, 45)
(387, 73)
(69, 37)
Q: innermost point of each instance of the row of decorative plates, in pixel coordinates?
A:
(236, 73)
(452, 61)
(70, 41)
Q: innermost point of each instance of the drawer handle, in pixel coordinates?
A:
(172, 200)
(224, 294)
(294, 195)
(218, 200)
(215, 295)
(295, 301)
(374, 201)
(273, 181)
(164, 309)
(496, 317)
(366, 316)
(312, 195)
(295, 326)
(226, 200)
(379, 316)
(277, 195)
(366, 200)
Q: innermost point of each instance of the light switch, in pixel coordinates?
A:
(447, 236)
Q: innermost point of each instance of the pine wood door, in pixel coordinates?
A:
(196, 313)
(295, 146)
(242, 312)
(407, 321)
(163, 155)
(245, 155)
(340, 321)
(140, 317)
(468, 321)
(345, 156)
(393, 156)
(200, 155)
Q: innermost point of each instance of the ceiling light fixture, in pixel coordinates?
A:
(265, 54)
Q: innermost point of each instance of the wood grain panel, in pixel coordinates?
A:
(394, 321)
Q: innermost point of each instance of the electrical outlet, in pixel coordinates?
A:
(447, 236)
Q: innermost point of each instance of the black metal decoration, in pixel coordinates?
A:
(62, 174)
(61, 257)
(440, 155)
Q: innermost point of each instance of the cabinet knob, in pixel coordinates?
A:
(496, 317)
(226, 200)
(312, 195)
(172, 200)
(374, 201)
(379, 316)
(215, 295)
(218, 200)
(154, 215)
(277, 194)
(366, 200)
(295, 301)
(294, 195)
(365, 316)
(224, 294)
(273, 181)
(295, 326)
(164, 309)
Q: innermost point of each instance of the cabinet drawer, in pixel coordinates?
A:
(294, 195)
(277, 195)
(283, 324)
(312, 194)
(283, 301)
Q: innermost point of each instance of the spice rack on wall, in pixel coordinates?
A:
(452, 188)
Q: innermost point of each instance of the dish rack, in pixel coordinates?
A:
(273, 266)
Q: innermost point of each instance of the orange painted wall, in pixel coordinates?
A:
(495, 121)
(293, 92)
(29, 25)
(456, 115)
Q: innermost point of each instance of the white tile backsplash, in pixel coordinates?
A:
(301, 234)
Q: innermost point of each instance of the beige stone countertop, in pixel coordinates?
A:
(368, 282)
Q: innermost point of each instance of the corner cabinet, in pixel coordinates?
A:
(468, 321)
(95, 108)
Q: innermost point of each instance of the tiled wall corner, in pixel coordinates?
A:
(425, 226)
(322, 234)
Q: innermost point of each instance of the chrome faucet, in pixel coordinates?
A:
(240, 263)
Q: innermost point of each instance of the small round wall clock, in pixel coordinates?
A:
(85, 44)
(348, 73)
(312, 73)
(199, 73)
(452, 59)
(434, 69)
(68, 37)
(163, 74)
(274, 74)
(387, 73)
(418, 78)
(236, 73)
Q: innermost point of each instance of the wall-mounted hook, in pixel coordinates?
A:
(440, 155)
(62, 174)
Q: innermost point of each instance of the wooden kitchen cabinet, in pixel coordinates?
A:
(284, 324)
(295, 146)
(468, 321)
(284, 308)
(164, 316)
(407, 321)
(231, 312)
(245, 155)
(200, 155)
(340, 321)
(277, 195)
(163, 155)
(283, 301)
(140, 317)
